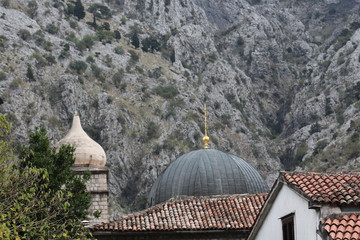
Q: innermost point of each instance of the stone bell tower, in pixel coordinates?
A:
(90, 156)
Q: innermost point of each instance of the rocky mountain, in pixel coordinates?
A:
(279, 77)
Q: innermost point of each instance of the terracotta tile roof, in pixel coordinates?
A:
(326, 188)
(345, 227)
(236, 212)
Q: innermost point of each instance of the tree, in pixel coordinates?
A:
(135, 40)
(172, 56)
(150, 44)
(29, 73)
(79, 11)
(32, 8)
(28, 208)
(117, 35)
(99, 11)
(58, 162)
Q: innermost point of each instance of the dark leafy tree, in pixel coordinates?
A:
(30, 73)
(57, 162)
(150, 44)
(32, 8)
(106, 26)
(135, 40)
(99, 11)
(78, 66)
(117, 34)
(172, 56)
(79, 11)
(29, 209)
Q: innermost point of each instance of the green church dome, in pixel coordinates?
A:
(206, 172)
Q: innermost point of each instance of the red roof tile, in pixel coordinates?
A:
(326, 188)
(343, 227)
(237, 212)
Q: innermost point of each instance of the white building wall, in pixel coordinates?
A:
(306, 221)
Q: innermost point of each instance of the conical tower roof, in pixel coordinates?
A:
(87, 151)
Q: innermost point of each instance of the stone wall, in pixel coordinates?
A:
(97, 186)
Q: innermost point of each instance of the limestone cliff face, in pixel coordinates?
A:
(280, 79)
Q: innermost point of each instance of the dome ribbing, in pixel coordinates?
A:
(206, 172)
(87, 151)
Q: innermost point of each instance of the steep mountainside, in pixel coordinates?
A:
(279, 77)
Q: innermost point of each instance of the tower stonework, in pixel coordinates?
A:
(97, 186)
(90, 157)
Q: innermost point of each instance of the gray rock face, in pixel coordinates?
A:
(280, 79)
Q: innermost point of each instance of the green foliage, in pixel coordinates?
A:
(30, 73)
(79, 10)
(316, 127)
(105, 36)
(29, 209)
(135, 39)
(152, 131)
(118, 77)
(99, 11)
(328, 108)
(119, 50)
(150, 44)
(226, 119)
(90, 59)
(325, 64)
(108, 60)
(52, 28)
(240, 42)
(106, 26)
(352, 94)
(86, 42)
(117, 34)
(320, 146)
(2, 76)
(24, 34)
(3, 41)
(167, 2)
(32, 8)
(134, 57)
(65, 51)
(40, 60)
(123, 20)
(78, 66)
(50, 59)
(168, 92)
(300, 153)
(5, 3)
(172, 56)
(343, 38)
(57, 162)
(97, 72)
(73, 24)
(48, 46)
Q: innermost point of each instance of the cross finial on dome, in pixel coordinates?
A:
(206, 138)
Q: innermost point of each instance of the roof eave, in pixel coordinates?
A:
(209, 231)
